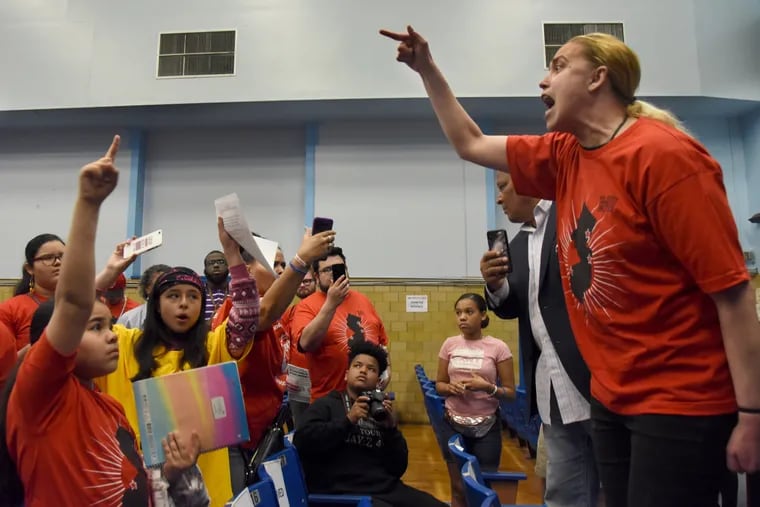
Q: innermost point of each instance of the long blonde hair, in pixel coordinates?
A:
(624, 73)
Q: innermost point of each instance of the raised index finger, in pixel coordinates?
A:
(394, 35)
(114, 148)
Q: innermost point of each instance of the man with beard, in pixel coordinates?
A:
(217, 279)
(330, 321)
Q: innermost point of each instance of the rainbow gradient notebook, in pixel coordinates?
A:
(208, 400)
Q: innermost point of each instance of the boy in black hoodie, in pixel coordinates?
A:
(345, 450)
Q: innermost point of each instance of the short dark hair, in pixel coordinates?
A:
(336, 250)
(148, 274)
(358, 347)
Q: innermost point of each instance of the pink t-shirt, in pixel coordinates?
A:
(473, 356)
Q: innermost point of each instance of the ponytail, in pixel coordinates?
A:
(642, 109)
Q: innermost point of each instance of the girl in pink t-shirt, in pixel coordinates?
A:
(470, 368)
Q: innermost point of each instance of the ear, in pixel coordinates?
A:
(345, 376)
(28, 269)
(598, 78)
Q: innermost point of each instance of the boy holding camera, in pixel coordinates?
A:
(349, 441)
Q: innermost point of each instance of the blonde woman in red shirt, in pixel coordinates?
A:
(655, 282)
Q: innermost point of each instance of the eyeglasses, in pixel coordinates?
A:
(281, 264)
(326, 270)
(49, 259)
(216, 262)
(307, 282)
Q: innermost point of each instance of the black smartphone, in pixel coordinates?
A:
(321, 224)
(498, 241)
(338, 270)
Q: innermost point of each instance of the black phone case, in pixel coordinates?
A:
(321, 225)
(492, 236)
(338, 270)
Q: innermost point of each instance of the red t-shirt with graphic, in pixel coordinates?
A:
(72, 445)
(644, 234)
(355, 319)
(262, 374)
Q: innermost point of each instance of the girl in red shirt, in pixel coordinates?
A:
(64, 442)
(655, 282)
(39, 277)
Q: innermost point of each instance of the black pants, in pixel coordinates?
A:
(405, 496)
(660, 460)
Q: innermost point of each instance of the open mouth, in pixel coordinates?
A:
(548, 101)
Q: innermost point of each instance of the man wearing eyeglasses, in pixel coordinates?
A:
(326, 323)
(298, 380)
(217, 278)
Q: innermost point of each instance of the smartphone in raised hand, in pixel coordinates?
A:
(338, 270)
(321, 224)
(499, 242)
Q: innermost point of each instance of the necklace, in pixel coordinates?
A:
(625, 119)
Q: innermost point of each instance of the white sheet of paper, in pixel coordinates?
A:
(299, 384)
(263, 250)
(243, 500)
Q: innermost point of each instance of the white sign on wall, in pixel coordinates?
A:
(417, 303)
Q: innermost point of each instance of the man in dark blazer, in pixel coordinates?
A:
(557, 379)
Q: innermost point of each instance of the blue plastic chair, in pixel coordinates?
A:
(478, 495)
(505, 482)
(283, 468)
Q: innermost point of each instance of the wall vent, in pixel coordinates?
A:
(189, 54)
(556, 34)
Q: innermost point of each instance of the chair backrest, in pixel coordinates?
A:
(434, 404)
(283, 468)
(460, 455)
(477, 495)
(260, 494)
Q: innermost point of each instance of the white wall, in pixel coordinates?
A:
(82, 53)
(186, 170)
(39, 174)
(728, 40)
(404, 204)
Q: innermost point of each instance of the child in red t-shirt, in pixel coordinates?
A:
(64, 442)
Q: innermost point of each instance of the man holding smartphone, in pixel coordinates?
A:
(557, 378)
(326, 323)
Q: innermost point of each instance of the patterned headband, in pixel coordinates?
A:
(177, 276)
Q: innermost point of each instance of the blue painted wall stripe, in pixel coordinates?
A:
(490, 187)
(136, 192)
(312, 140)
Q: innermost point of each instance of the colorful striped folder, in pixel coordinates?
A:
(208, 400)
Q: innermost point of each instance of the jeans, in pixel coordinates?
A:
(571, 476)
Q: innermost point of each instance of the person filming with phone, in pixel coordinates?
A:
(350, 442)
(326, 323)
(524, 282)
